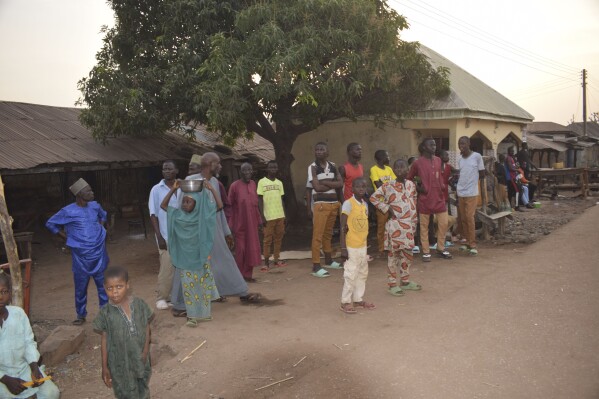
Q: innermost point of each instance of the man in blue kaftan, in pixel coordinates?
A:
(81, 224)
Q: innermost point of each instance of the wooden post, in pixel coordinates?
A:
(483, 193)
(11, 250)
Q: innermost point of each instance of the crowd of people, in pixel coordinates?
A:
(209, 244)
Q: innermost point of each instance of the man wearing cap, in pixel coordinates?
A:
(81, 224)
(159, 223)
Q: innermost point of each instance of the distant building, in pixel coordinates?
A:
(472, 109)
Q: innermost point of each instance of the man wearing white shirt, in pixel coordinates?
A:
(159, 223)
(472, 169)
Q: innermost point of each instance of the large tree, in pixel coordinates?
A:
(276, 68)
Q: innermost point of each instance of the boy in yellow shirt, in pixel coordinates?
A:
(380, 174)
(354, 233)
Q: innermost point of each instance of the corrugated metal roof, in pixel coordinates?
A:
(538, 143)
(549, 127)
(33, 135)
(470, 97)
(592, 129)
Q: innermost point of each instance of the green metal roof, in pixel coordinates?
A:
(469, 97)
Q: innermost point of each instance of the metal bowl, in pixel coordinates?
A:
(191, 186)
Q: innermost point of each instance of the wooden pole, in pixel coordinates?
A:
(483, 193)
(11, 250)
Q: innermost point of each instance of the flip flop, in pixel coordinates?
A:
(395, 291)
(179, 313)
(365, 305)
(264, 269)
(369, 258)
(473, 252)
(347, 308)
(465, 248)
(321, 273)
(221, 299)
(334, 265)
(416, 249)
(251, 298)
(191, 322)
(280, 263)
(411, 286)
(426, 257)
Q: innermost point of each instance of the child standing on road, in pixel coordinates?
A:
(354, 233)
(398, 199)
(270, 200)
(125, 327)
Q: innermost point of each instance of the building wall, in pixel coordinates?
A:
(400, 140)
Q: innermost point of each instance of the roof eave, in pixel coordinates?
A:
(432, 114)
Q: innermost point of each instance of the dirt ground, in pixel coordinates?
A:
(517, 321)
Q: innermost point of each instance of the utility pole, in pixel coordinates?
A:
(584, 102)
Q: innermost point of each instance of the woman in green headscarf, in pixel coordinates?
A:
(190, 239)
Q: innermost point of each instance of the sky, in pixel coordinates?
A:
(531, 51)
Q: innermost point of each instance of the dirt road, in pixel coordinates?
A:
(515, 322)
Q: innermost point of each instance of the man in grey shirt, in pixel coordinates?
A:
(472, 169)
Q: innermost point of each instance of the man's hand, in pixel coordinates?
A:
(36, 374)
(230, 241)
(106, 377)
(14, 385)
(162, 243)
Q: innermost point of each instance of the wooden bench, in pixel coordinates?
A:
(494, 220)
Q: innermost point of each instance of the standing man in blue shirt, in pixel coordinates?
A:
(81, 224)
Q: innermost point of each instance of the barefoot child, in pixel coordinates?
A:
(18, 352)
(191, 237)
(354, 232)
(398, 199)
(125, 327)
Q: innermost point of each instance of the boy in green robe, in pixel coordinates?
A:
(125, 327)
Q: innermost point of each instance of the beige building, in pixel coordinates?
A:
(472, 109)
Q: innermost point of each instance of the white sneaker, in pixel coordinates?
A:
(161, 304)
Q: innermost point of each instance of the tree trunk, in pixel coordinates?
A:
(283, 145)
(11, 250)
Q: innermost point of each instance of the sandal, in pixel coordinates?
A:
(251, 298)
(465, 248)
(179, 313)
(444, 254)
(365, 305)
(79, 321)
(347, 308)
(191, 322)
(426, 257)
(473, 252)
(369, 258)
(221, 299)
(334, 265)
(264, 269)
(395, 291)
(411, 286)
(321, 273)
(280, 263)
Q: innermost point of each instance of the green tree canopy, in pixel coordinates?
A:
(276, 68)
